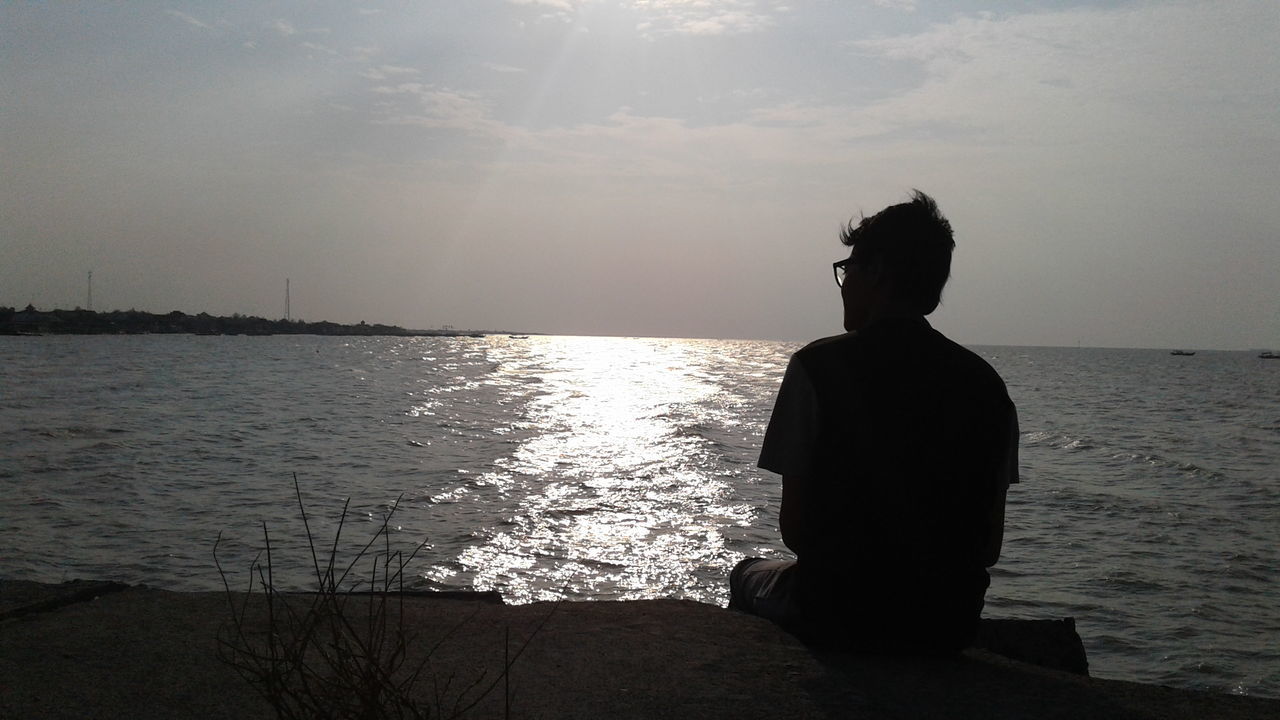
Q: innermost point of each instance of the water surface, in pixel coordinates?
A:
(621, 468)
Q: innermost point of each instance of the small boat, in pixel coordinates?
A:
(1268, 355)
(518, 337)
(1183, 352)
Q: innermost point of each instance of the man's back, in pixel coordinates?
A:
(912, 435)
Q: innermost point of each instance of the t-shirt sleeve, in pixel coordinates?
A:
(1009, 469)
(790, 440)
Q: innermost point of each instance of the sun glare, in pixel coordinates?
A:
(614, 502)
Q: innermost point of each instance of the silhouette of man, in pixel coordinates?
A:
(896, 447)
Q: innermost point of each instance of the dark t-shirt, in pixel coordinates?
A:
(906, 442)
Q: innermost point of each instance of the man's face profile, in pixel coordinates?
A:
(858, 293)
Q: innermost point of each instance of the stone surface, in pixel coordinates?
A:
(142, 653)
(1048, 643)
(20, 597)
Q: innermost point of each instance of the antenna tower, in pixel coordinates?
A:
(286, 299)
(90, 291)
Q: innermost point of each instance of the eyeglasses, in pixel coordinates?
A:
(840, 268)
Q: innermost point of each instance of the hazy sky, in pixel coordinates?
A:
(646, 167)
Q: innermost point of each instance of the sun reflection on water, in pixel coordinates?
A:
(613, 493)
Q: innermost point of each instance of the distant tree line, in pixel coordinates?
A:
(30, 321)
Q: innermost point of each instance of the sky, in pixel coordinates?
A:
(646, 167)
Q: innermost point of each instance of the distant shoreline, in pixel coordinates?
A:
(30, 321)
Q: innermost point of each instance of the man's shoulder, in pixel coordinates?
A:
(829, 344)
(833, 352)
(901, 349)
(969, 375)
(965, 359)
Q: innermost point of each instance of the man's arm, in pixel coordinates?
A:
(795, 495)
(1008, 475)
(995, 529)
(788, 450)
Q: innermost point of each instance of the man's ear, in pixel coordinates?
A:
(878, 272)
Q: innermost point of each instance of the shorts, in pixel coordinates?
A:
(766, 588)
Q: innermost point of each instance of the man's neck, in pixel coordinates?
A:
(891, 310)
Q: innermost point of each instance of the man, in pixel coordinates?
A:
(896, 447)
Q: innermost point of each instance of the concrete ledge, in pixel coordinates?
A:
(21, 597)
(142, 653)
(1048, 643)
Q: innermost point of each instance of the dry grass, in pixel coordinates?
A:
(344, 650)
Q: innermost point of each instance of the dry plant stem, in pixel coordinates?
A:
(312, 662)
(506, 676)
(330, 660)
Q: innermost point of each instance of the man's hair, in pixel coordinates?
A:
(914, 242)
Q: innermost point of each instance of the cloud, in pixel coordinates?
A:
(288, 29)
(628, 150)
(435, 107)
(907, 5)
(554, 10)
(726, 24)
(318, 48)
(499, 68)
(189, 19)
(557, 4)
(705, 17)
(383, 72)
(1099, 91)
(1158, 75)
(1140, 93)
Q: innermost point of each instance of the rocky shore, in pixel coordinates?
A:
(104, 650)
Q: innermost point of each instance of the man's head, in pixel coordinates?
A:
(899, 260)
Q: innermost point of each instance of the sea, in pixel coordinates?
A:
(608, 468)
